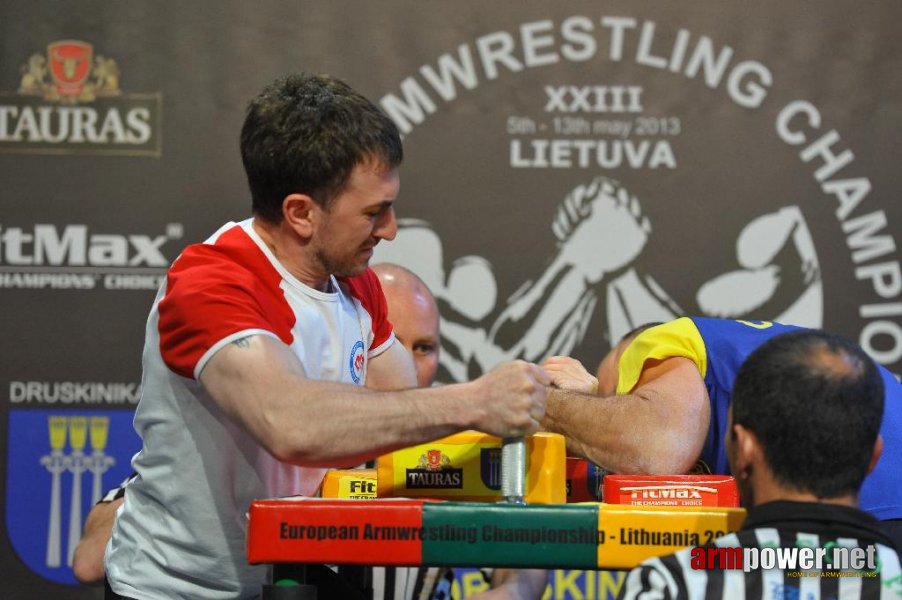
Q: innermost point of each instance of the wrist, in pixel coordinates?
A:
(461, 401)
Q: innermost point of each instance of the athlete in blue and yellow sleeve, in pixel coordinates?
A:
(662, 398)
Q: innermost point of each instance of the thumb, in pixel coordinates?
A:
(541, 375)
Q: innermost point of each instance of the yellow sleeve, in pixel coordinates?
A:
(674, 338)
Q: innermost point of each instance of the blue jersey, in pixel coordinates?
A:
(718, 347)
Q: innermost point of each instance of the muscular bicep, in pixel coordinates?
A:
(249, 377)
(676, 390)
(673, 378)
(394, 369)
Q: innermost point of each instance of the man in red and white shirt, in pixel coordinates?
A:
(268, 355)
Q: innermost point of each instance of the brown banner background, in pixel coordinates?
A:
(745, 218)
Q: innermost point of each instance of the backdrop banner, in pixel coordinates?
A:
(571, 170)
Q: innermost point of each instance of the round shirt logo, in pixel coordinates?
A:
(355, 362)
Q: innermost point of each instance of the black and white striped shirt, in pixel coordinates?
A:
(117, 492)
(776, 524)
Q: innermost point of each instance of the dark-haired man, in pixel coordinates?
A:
(260, 343)
(665, 392)
(414, 315)
(802, 433)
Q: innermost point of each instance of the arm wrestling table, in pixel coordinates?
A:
(430, 532)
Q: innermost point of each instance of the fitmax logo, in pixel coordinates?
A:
(667, 492)
(363, 487)
(74, 246)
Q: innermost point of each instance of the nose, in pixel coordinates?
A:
(387, 226)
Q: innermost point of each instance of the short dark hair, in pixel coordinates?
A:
(635, 331)
(305, 134)
(815, 402)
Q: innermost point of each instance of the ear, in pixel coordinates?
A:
(747, 450)
(301, 214)
(875, 455)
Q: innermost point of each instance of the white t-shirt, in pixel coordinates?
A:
(181, 531)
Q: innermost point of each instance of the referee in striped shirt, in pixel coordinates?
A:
(801, 436)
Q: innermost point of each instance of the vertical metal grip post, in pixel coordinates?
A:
(513, 470)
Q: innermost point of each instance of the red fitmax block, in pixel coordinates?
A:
(671, 490)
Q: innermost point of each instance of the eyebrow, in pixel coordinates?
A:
(381, 205)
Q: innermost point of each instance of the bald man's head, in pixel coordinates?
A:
(414, 314)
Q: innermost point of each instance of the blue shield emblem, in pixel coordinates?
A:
(490, 467)
(59, 464)
(595, 481)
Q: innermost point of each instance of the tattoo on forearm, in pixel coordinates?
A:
(242, 342)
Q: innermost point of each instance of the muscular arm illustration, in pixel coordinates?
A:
(778, 269)
(600, 229)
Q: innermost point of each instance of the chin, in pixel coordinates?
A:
(353, 271)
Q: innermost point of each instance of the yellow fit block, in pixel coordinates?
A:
(467, 466)
(358, 484)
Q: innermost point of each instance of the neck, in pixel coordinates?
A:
(291, 252)
(771, 491)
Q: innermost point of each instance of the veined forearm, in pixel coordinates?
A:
(624, 433)
(263, 387)
(357, 424)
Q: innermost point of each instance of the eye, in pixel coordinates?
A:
(377, 211)
(423, 348)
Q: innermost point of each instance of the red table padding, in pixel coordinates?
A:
(334, 530)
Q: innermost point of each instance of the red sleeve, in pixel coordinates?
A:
(368, 290)
(214, 291)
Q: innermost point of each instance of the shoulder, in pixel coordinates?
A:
(674, 339)
(215, 290)
(365, 287)
(227, 267)
(230, 255)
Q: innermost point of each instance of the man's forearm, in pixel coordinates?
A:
(370, 423)
(262, 386)
(88, 556)
(624, 433)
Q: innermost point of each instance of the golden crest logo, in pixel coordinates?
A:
(69, 102)
(434, 470)
(434, 460)
(63, 76)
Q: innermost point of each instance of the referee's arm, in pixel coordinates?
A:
(87, 560)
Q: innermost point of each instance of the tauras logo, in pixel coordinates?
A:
(426, 478)
(74, 125)
(434, 470)
(75, 246)
(69, 101)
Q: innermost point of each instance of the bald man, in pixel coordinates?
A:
(414, 314)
